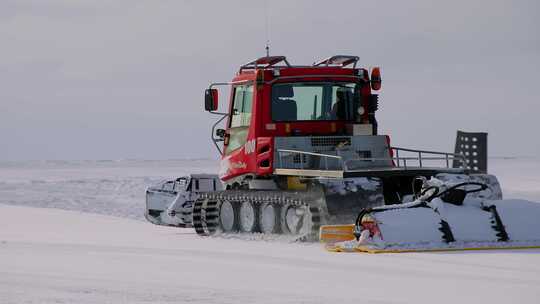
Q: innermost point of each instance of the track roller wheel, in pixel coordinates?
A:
(248, 217)
(269, 218)
(227, 216)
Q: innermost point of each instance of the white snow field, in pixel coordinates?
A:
(104, 187)
(49, 255)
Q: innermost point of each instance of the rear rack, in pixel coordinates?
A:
(459, 158)
(344, 166)
(338, 60)
(264, 62)
(273, 61)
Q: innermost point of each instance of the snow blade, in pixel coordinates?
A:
(439, 226)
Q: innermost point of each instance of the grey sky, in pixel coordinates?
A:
(94, 79)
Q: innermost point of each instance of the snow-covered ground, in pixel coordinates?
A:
(103, 187)
(519, 177)
(77, 256)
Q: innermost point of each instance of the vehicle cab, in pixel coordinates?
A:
(275, 106)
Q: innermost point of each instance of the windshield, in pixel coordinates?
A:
(305, 101)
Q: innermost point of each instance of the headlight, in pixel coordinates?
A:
(361, 110)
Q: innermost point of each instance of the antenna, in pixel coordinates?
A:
(266, 28)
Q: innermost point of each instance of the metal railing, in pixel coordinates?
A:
(395, 161)
(302, 153)
(446, 156)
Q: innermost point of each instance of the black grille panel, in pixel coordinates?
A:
(364, 154)
(300, 158)
(330, 141)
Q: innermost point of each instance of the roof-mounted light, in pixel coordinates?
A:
(376, 79)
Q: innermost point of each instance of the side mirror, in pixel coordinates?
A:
(376, 79)
(211, 99)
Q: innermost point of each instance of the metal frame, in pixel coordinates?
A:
(326, 156)
(272, 61)
(339, 60)
(447, 157)
(276, 79)
(344, 167)
(265, 62)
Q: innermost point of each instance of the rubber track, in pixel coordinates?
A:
(206, 209)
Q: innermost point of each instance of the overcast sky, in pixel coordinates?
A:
(93, 79)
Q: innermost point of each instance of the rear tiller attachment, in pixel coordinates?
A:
(439, 218)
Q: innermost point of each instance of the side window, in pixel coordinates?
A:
(242, 104)
(240, 117)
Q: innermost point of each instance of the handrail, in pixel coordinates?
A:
(424, 151)
(214, 139)
(398, 161)
(326, 156)
(447, 156)
(309, 153)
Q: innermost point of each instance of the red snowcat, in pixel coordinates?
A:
(301, 151)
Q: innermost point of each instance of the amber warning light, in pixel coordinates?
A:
(376, 79)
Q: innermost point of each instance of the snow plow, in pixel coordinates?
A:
(301, 158)
(442, 217)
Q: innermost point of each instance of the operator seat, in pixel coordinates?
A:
(343, 98)
(283, 107)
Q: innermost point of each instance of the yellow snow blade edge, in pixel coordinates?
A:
(366, 249)
(332, 235)
(336, 233)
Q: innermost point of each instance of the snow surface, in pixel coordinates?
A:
(55, 256)
(59, 256)
(519, 177)
(104, 187)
